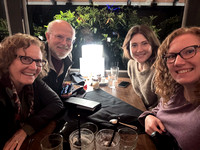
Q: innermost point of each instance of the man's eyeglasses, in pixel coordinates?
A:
(28, 60)
(185, 53)
(62, 38)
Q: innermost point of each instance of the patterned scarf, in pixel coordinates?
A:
(25, 106)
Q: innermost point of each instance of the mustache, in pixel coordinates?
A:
(65, 47)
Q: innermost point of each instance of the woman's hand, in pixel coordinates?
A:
(153, 124)
(16, 141)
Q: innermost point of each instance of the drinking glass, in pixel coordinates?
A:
(86, 141)
(128, 139)
(111, 81)
(103, 138)
(52, 142)
(114, 72)
(91, 126)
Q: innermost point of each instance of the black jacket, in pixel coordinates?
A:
(46, 106)
(52, 79)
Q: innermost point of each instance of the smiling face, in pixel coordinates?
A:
(23, 74)
(140, 49)
(60, 39)
(185, 72)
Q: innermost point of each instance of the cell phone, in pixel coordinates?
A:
(67, 89)
(123, 84)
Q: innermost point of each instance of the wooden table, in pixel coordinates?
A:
(126, 94)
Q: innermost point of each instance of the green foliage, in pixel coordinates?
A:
(39, 31)
(95, 25)
(3, 29)
(169, 25)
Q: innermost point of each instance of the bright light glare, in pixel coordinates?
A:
(92, 61)
(92, 51)
(92, 67)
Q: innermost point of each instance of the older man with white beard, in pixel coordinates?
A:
(60, 37)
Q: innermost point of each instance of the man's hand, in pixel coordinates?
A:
(66, 95)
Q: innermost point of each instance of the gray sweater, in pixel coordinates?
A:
(181, 119)
(143, 84)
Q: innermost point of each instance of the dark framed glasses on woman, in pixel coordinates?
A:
(185, 53)
(28, 60)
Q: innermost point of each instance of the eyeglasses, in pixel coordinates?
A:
(28, 60)
(185, 53)
(62, 38)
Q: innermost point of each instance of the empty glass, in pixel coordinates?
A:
(52, 142)
(103, 138)
(86, 141)
(128, 139)
(114, 70)
(111, 81)
(91, 126)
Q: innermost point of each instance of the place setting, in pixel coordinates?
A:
(87, 136)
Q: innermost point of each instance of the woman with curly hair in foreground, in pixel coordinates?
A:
(177, 82)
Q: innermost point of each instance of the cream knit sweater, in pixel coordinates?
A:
(143, 84)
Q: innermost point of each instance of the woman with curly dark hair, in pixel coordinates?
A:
(177, 82)
(26, 103)
(140, 47)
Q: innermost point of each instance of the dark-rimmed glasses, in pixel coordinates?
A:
(28, 60)
(185, 53)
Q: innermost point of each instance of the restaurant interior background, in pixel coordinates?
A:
(98, 21)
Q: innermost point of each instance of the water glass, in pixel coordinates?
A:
(52, 142)
(111, 81)
(128, 139)
(114, 70)
(86, 142)
(103, 138)
(91, 126)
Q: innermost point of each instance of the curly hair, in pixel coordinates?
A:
(11, 44)
(148, 34)
(165, 85)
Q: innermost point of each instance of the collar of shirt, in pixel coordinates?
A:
(51, 66)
